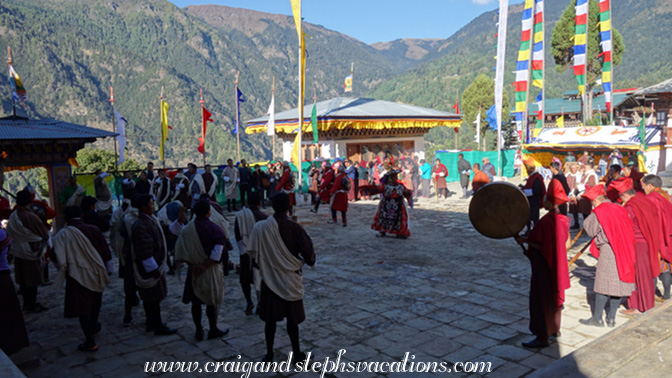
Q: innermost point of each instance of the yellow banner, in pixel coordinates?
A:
(164, 128)
(560, 122)
(296, 10)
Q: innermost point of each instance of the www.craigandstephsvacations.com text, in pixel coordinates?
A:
(326, 366)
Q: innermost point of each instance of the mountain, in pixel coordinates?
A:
(69, 53)
(454, 63)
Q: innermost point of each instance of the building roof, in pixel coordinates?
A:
(662, 87)
(359, 113)
(20, 128)
(566, 105)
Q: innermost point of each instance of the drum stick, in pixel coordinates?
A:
(576, 238)
(576, 257)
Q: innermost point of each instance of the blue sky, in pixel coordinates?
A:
(375, 20)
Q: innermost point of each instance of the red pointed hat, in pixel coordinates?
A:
(622, 186)
(594, 192)
(556, 193)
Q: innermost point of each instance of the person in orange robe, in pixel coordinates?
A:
(547, 251)
(480, 178)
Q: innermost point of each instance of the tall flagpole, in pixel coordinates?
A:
(114, 126)
(298, 163)
(352, 78)
(273, 96)
(499, 77)
(202, 102)
(162, 136)
(237, 117)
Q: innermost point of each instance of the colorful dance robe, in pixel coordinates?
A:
(392, 214)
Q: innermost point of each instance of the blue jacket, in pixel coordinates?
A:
(426, 171)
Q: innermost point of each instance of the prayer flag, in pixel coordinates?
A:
(206, 118)
(478, 127)
(270, 125)
(240, 97)
(523, 63)
(295, 150)
(491, 115)
(606, 44)
(164, 129)
(580, 36)
(456, 107)
(19, 93)
(560, 122)
(313, 123)
(121, 138)
(347, 87)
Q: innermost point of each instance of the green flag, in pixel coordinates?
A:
(642, 134)
(313, 122)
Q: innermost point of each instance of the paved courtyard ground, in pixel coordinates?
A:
(445, 294)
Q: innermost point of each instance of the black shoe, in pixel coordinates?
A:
(199, 335)
(86, 347)
(611, 323)
(36, 309)
(299, 357)
(248, 309)
(128, 321)
(268, 358)
(592, 322)
(136, 302)
(217, 333)
(164, 331)
(313, 211)
(536, 343)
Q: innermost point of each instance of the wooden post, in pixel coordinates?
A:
(114, 126)
(237, 117)
(273, 95)
(162, 136)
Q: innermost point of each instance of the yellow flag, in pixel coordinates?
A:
(295, 151)
(560, 122)
(164, 128)
(296, 10)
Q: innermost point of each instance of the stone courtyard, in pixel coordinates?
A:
(445, 294)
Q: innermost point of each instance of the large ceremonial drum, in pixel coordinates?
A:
(499, 210)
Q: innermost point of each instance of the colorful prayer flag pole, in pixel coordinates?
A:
(206, 117)
(523, 63)
(347, 87)
(607, 49)
(164, 128)
(19, 93)
(580, 44)
(538, 72)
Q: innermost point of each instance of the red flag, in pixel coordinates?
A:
(456, 107)
(206, 117)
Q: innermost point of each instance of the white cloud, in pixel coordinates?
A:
(481, 2)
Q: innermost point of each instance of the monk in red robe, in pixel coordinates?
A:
(632, 172)
(615, 175)
(647, 231)
(614, 248)
(651, 184)
(547, 252)
(286, 185)
(339, 196)
(324, 192)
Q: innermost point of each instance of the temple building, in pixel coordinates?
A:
(358, 128)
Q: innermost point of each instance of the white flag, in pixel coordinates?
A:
(478, 128)
(270, 126)
(121, 138)
(651, 120)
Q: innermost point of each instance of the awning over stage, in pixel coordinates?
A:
(359, 114)
(602, 138)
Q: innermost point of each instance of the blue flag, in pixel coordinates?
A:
(240, 97)
(492, 117)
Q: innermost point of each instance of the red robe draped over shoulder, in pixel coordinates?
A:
(650, 226)
(617, 226)
(551, 233)
(664, 208)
